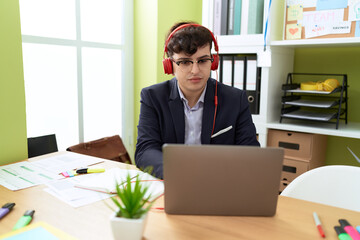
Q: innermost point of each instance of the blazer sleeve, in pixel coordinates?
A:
(149, 143)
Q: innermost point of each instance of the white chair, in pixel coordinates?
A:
(335, 185)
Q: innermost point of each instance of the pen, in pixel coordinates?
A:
(90, 170)
(318, 224)
(24, 220)
(349, 229)
(6, 209)
(342, 235)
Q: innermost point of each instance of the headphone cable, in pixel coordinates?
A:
(216, 102)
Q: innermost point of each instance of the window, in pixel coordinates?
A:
(76, 55)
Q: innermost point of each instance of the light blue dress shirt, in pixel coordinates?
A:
(193, 118)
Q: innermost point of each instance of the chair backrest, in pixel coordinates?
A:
(41, 145)
(111, 148)
(335, 185)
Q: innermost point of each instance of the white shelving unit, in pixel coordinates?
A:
(282, 58)
(328, 42)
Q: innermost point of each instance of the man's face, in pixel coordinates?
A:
(192, 78)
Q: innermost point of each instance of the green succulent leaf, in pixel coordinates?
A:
(132, 198)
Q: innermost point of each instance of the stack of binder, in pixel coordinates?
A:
(241, 71)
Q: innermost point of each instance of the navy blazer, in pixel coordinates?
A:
(162, 120)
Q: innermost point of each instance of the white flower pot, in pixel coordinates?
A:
(128, 229)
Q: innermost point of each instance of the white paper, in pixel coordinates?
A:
(341, 27)
(322, 17)
(106, 182)
(327, 28)
(66, 162)
(303, 114)
(264, 58)
(75, 197)
(311, 103)
(354, 10)
(317, 30)
(67, 190)
(23, 175)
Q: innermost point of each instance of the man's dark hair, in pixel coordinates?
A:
(188, 39)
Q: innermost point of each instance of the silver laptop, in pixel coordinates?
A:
(221, 180)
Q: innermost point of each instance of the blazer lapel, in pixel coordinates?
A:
(177, 111)
(208, 113)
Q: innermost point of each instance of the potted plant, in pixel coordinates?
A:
(128, 221)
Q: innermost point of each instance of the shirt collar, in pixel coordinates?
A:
(201, 98)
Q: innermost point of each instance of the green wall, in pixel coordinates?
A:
(13, 146)
(343, 60)
(152, 19)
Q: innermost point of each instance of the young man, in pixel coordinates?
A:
(191, 108)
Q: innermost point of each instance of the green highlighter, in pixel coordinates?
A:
(342, 235)
(24, 220)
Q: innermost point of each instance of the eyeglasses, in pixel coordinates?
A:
(186, 65)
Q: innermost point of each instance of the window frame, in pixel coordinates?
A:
(127, 65)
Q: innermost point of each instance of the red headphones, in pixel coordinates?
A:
(167, 63)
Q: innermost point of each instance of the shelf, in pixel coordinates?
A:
(320, 42)
(282, 62)
(313, 92)
(350, 130)
(311, 103)
(297, 109)
(308, 115)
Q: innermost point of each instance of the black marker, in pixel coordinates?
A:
(349, 229)
(342, 235)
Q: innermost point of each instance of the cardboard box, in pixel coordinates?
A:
(283, 185)
(293, 169)
(300, 146)
(302, 152)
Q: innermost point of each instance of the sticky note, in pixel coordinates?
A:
(293, 31)
(295, 12)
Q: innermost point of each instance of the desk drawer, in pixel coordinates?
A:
(283, 185)
(296, 145)
(292, 169)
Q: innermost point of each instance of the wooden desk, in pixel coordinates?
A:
(293, 219)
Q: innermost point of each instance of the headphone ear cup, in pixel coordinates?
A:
(168, 69)
(215, 63)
